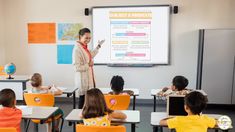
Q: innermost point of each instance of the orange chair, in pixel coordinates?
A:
(82, 128)
(117, 102)
(33, 99)
(7, 129)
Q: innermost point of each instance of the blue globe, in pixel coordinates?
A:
(10, 69)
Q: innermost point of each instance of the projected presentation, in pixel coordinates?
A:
(133, 35)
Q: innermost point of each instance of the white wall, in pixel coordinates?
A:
(2, 48)
(193, 15)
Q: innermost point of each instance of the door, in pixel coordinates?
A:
(218, 64)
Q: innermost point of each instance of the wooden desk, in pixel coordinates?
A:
(155, 96)
(133, 117)
(18, 84)
(156, 117)
(136, 93)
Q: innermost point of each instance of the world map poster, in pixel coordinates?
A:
(67, 35)
(68, 31)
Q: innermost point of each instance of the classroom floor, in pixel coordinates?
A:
(145, 111)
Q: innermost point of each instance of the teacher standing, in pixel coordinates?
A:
(83, 63)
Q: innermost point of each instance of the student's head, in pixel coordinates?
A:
(84, 35)
(117, 84)
(36, 80)
(195, 102)
(7, 98)
(94, 105)
(179, 83)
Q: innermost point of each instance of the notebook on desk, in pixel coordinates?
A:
(175, 105)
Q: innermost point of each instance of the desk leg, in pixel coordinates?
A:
(132, 127)
(24, 88)
(26, 124)
(74, 127)
(74, 100)
(24, 85)
(134, 97)
(155, 129)
(35, 127)
(154, 103)
(53, 124)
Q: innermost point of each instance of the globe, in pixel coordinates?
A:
(10, 69)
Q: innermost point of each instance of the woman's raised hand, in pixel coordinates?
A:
(100, 42)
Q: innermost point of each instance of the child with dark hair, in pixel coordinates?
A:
(179, 84)
(10, 116)
(117, 83)
(195, 103)
(95, 111)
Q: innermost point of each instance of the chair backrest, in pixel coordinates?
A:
(34, 99)
(117, 102)
(7, 129)
(2, 73)
(82, 128)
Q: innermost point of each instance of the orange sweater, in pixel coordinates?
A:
(10, 117)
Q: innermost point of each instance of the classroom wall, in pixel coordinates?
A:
(193, 15)
(2, 48)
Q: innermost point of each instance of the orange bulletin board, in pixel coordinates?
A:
(43, 33)
(2, 71)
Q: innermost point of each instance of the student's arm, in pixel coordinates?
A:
(117, 115)
(163, 122)
(111, 93)
(80, 115)
(128, 92)
(45, 87)
(58, 91)
(165, 89)
(170, 122)
(211, 122)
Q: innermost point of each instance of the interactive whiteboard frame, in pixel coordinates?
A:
(136, 64)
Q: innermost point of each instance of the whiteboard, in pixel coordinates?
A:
(133, 35)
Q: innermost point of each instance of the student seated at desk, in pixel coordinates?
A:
(36, 82)
(10, 116)
(117, 84)
(195, 102)
(95, 111)
(179, 84)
